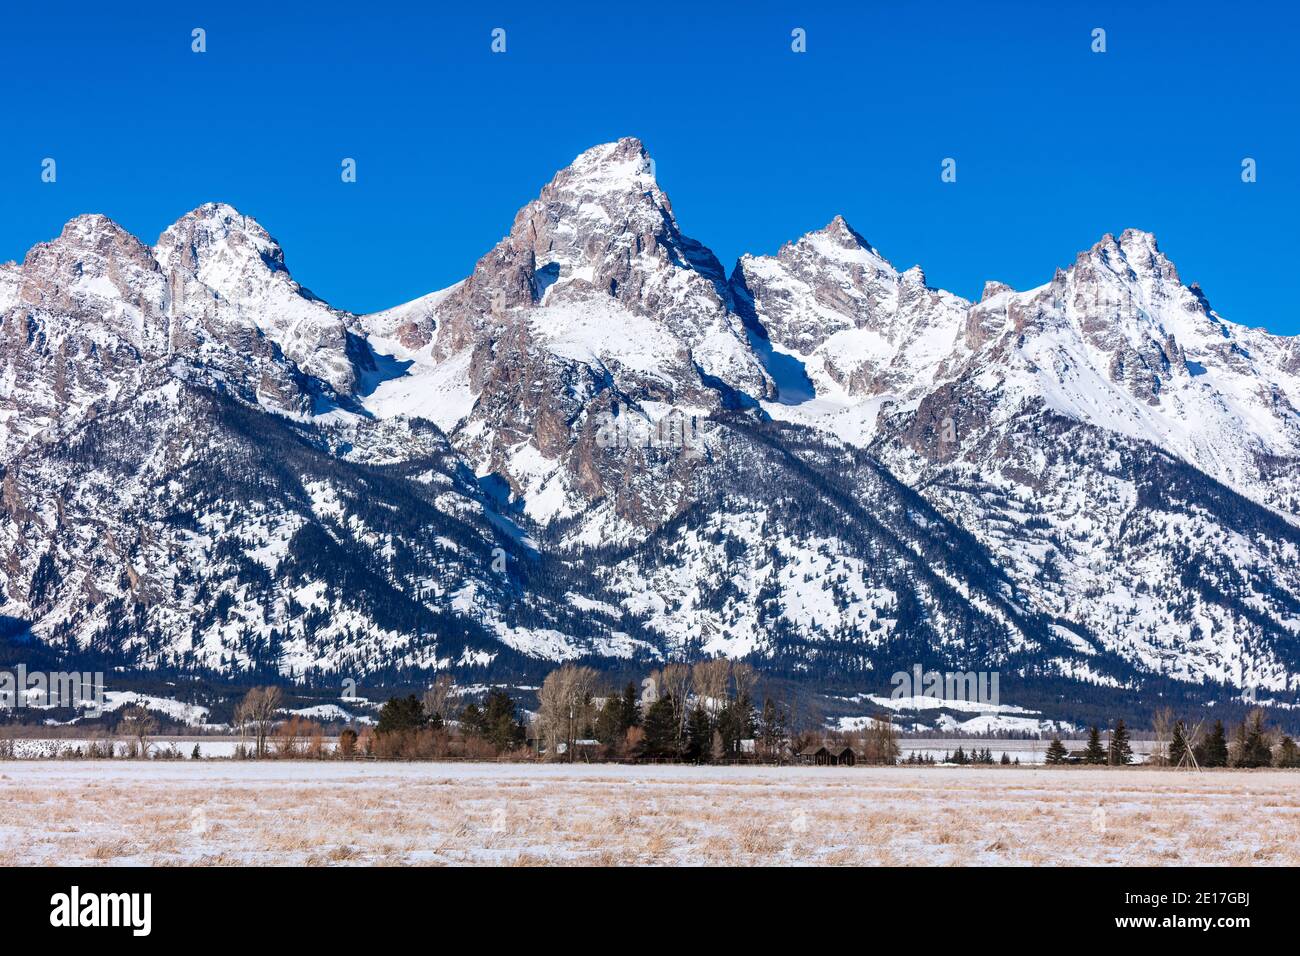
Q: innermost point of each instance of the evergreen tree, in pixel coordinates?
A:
(660, 729)
(471, 719)
(1288, 754)
(399, 714)
(629, 708)
(1178, 745)
(736, 723)
(1094, 753)
(699, 736)
(501, 723)
(1121, 752)
(1256, 751)
(771, 728)
(1213, 750)
(1006, 761)
(609, 722)
(1056, 751)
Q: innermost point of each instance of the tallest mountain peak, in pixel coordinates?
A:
(623, 164)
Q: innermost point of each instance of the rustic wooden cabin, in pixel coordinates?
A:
(829, 754)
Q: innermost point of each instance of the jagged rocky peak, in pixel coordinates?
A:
(602, 236)
(1132, 257)
(1125, 294)
(835, 243)
(993, 287)
(599, 224)
(79, 320)
(824, 282)
(225, 270)
(610, 167)
(603, 223)
(1135, 246)
(594, 304)
(226, 250)
(862, 327)
(839, 232)
(600, 230)
(93, 267)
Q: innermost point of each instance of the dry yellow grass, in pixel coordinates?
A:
(329, 814)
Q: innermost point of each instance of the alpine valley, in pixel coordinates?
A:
(600, 447)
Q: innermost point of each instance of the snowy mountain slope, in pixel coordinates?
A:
(80, 317)
(1131, 551)
(835, 576)
(1118, 342)
(186, 530)
(1087, 441)
(225, 272)
(598, 446)
(1115, 341)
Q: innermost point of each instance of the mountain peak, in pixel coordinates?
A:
(839, 230)
(89, 222)
(1129, 242)
(620, 165)
(993, 287)
(217, 230)
(92, 256)
(220, 220)
(214, 210)
(840, 243)
(1134, 253)
(95, 230)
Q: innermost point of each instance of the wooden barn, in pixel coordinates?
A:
(829, 754)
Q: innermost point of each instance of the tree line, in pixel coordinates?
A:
(1254, 744)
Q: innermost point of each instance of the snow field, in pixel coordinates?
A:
(289, 813)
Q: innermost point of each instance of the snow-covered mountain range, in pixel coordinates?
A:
(600, 446)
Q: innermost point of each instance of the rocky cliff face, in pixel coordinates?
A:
(594, 312)
(859, 327)
(598, 445)
(226, 278)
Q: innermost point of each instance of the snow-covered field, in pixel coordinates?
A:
(283, 812)
(209, 747)
(1026, 751)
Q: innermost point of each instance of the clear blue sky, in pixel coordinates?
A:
(755, 144)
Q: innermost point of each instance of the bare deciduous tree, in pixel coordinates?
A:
(138, 723)
(880, 740)
(437, 696)
(258, 711)
(564, 705)
(710, 680)
(677, 681)
(1162, 723)
(744, 677)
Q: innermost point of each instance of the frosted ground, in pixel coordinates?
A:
(289, 812)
